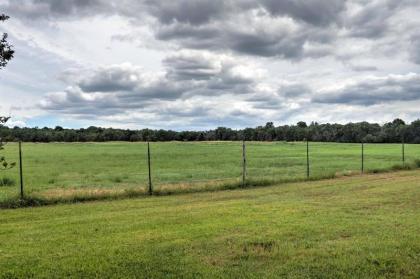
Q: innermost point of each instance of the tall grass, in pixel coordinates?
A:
(60, 197)
(6, 181)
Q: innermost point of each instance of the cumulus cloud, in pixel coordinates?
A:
(370, 19)
(185, 11)
(43, 9)
(375, 90)
(229, 61)
(112, 78)
(316, 12)
(252, 32)
(269, 28)
(116, 89)
(262, 28)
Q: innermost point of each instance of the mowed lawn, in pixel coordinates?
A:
(59, 168)
(352, 227)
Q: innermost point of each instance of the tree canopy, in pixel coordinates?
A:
(394, 131)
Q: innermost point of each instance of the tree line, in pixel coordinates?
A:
(392, 132)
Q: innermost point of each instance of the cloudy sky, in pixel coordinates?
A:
(200, 64)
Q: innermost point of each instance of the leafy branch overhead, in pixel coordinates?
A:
(6, 54)
(4, 165)
(6, 49)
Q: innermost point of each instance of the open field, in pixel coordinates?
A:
(60, 169)
(350, 227)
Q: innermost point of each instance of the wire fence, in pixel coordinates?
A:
(56, 169)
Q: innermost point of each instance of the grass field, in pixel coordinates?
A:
(65, 169)
(350, 227)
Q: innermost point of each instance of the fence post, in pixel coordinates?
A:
(243, 163)
(150, 171)
(363, 158)
(403, 151)
(20, 170)
(307, 158)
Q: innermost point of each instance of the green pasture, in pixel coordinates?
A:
(54, 168)
(350, 227)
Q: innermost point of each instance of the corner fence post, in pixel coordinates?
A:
(150, 171)
(307, 158)
(363, 158)
(243, 163)
(21, 170)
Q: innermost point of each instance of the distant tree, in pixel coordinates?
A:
(302, 124)
(398, 122)
(269, 125)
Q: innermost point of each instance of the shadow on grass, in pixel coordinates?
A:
(38, 199)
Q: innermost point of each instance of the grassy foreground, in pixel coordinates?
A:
(65, 170)
(352, 227)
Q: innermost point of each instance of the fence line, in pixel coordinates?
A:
(244, 164)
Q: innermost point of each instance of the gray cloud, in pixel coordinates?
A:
(115, 88)
(185, 11)
(294, 90)
(182, 67)
(267, 41)
(363, 68)
(415, 48)
(375, 91)
(110, 79)
(45, 9)
(371, 20)
(244, 26)
(316, 12)
(209, 73)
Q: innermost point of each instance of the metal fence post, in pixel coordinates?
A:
(307, 158)
(243, 163)
(403, 151)
(363, 158)
(150, 171)
(21, 170)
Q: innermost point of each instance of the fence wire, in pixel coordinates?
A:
(54, 169)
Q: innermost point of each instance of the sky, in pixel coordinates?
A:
(203, 64)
